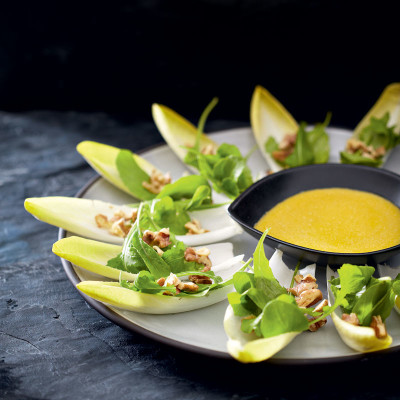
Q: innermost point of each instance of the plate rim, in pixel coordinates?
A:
(131, 326)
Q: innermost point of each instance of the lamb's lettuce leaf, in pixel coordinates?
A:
(311, 146)
(132, 175)
(377, 134)
(263, 302)
(227, 170)
(357, 291)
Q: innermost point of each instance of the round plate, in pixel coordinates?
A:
(202, 331)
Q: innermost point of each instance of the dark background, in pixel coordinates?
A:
(119, 57)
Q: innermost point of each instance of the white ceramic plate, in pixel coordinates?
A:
(202, 330)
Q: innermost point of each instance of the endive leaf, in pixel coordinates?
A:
(103, 159)
(388, 101)
(77, 216)
(92, 256)
(379, 127)
(177, 131)
(249, 348)
(111, 293)
(359, 338)
(269, 118)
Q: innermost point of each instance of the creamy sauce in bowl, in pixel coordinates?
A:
(335, 220)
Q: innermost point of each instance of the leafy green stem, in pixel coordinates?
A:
(202, 121)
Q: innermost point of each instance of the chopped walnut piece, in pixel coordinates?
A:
(200, 279)
(188, 286)
(281, 155)
(314, 327)
(351, 319)
(102, 221)
(354, 145)
(320, 306)
(173, 280)
(159, 239)
(194, 227)
(119, 228)
(319, 309)
(379, 327)
(199, 256)
(288, 141)
(306, 295)
(119, 224)
(157, 181)
(298, 278)
(306, 283)
(208, 150)
(308, 298)
(161, 281)
(285, 147)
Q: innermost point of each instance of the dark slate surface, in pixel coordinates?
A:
(54, 346)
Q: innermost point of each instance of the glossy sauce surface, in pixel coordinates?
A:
(336, 220)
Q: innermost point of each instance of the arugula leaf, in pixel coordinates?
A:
(139, 257)
(132, 175)
(303, 152)
(170, 214)
(357, 158)
(243, 281)
(377, 134)
(264, 278)
(226, 170)
(267, 307)
(357, 291)
(271, 145)
(201, 196)
(354, 277)
(280, 315)
(319, 141)
(311, 147)
(183, 188)
(378, 299)
(145, 283)
(174, 258)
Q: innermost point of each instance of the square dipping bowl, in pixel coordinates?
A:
(248, 208)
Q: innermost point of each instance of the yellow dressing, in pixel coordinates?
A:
(335, 220)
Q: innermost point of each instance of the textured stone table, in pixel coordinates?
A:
(54, 346)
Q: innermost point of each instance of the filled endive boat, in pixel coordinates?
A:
(282, 141)
(111, 223)
(124, 169)
(377, 133)
(153, 263)
(361, 304)
(147, 298)
(179, 133)
(267, 312)
(224, 165)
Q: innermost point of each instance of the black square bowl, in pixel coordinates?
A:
(252, 204)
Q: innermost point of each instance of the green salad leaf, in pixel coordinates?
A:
(357, 291)
(132, 175)
(311, 147)
(266, 307)
(142, 259)
(227, 170)
(185, 188)
(377, 134)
